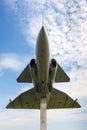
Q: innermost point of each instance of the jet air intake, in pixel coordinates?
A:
(52, 70)
(33, 69)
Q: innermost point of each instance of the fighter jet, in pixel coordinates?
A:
(43, 72)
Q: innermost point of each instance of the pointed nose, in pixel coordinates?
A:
(43, 29)
(42, 39)
(42, 32)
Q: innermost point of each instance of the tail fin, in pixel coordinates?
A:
(60, 99)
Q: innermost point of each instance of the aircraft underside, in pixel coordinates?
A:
(54, 98)
(42, 72)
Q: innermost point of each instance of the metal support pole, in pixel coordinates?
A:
(43, 125)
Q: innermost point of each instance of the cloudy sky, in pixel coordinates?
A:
(66, 25)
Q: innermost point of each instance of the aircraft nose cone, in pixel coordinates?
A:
(42, 34)
(43, 28)
(42, 31)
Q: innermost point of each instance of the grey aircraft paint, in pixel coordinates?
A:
(42, 72)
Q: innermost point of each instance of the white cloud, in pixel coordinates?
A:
(13, 61)
(18, 119)
(10, 61)
(62, 115)
(26, 119)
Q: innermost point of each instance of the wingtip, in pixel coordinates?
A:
(69, 80)
(17, 80)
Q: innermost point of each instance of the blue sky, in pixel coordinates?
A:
(66, 24)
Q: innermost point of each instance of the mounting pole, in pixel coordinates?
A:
(43, 125)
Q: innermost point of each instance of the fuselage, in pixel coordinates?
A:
(42, 58)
